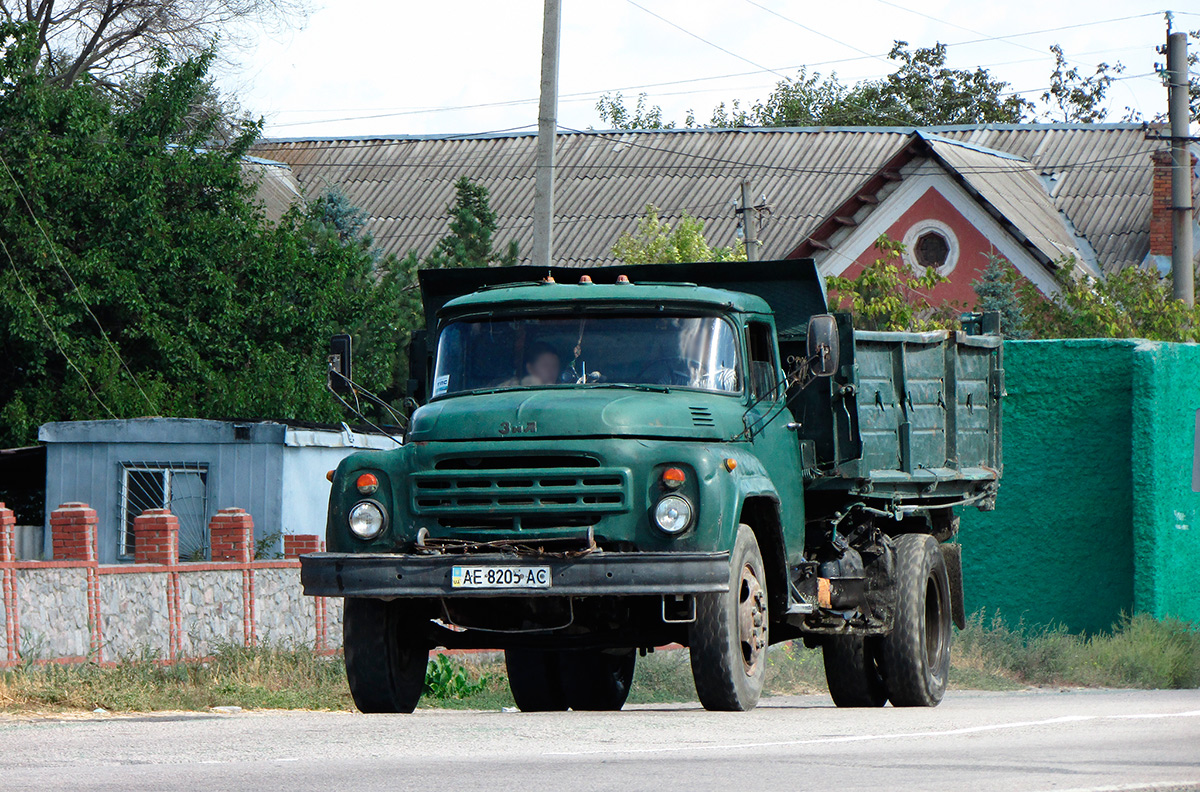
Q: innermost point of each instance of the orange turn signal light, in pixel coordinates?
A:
(367, 483)
(329, 475)
(674, 477)
(730, 464)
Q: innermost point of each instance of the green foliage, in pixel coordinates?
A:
(1075, 98)
(998, 289)
(922, 91)
(1140, 651)
(141, 276)
(449, 679)
(887, 295)
(657, 242)
(615, 115)
(1130, 303)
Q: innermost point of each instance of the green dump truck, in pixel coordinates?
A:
(615, 459)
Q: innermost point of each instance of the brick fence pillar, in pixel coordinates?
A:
(73, 532)
(8, 534)
(296, 545)
(156, 537)
(231, 536)
(8, 586)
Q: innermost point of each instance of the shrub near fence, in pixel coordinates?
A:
(74, 609)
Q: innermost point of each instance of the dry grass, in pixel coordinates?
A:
(1138, 652)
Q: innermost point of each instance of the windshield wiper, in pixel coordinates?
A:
(630, 386)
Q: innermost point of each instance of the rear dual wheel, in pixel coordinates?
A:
(553, 681)
(910, 665)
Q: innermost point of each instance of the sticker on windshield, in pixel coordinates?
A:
(441, 385)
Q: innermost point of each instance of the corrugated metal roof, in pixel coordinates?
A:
(1014, 189)
(1098, 176)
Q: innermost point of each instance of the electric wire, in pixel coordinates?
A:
(50, 330)
(103, 334)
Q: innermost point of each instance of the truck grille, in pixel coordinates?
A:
(532, 497)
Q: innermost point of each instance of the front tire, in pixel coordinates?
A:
(917, 650)
(728, 640)
(853, 670)
(385, 661)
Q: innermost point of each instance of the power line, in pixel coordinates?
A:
(50, 330)
(701, 38)
(814, 31)
(759, 69)
(489, 161)
(116, 353)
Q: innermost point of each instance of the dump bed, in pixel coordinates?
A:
(916, 416)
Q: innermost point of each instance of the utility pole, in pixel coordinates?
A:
(749, 223)
(543, 194)
(1182, 272)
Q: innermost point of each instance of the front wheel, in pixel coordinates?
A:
(385, 656)
(916, 653)
(728, 640)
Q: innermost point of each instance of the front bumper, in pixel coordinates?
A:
(598, 574)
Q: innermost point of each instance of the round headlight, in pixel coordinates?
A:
(673, 514)
(367, 519)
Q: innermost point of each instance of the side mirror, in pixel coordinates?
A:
(339, 363)
(823, 347)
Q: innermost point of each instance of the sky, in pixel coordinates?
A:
(374, 67)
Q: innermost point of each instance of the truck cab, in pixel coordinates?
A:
(608, 461)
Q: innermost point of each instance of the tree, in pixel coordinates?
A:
(887, 295)
(111, 40)
(1073, 98)
(998, 289)
(1129, 303)
(140, 276)
(921, 91)
(656, 242)
(472, 224)
(615, 115)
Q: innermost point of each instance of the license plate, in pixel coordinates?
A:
(500, 577)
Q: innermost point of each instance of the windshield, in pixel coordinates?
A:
(673, 351)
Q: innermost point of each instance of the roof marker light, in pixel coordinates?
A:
(585, 280)
(548, 279)
(622, 279)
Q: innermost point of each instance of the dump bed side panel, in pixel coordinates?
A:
(929, 414)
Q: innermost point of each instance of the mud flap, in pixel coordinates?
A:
(952, 553)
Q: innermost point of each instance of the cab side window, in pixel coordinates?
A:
(763, 370)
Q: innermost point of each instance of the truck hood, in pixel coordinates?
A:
(538, 414)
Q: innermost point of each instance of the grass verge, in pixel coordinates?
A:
(1138, 652)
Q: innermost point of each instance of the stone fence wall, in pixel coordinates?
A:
(74, 609)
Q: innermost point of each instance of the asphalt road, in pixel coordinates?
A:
(1081, 740)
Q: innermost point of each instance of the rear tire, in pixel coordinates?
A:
(385, 661)
(917, 650)
(854, 672)
(534, 676)
(596, 680)
(728, 640)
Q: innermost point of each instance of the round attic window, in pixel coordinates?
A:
(931, 249)
(931, 243)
